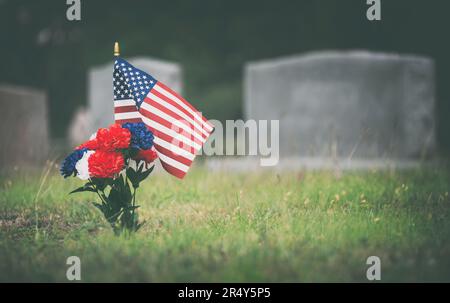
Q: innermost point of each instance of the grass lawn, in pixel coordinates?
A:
(292, 227)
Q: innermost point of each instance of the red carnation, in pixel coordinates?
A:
(148, 155)
(104, 164)
(91, 145)
(113, 138)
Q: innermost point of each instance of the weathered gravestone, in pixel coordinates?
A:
(24, 127)
(80, 128)
(347, 105)
(100, 94)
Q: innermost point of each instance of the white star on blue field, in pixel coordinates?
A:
(130, 82)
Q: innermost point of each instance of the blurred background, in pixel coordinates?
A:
(341, 86)
(211, 40)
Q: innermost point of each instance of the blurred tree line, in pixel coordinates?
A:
(212, 40)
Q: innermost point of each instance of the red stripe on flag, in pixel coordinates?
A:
(169, 125)
(173, 170)
(171, 140)
(134, 120)
(172, 102)
(167, 111)
(125, 109)
(172, 155)
(162, 85)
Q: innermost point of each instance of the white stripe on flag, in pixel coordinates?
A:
(129, 115)
(170, 132)
(172, 108)
(125, 102)
(174, 149)
(172, 120)
(182, 104)
(173, 162)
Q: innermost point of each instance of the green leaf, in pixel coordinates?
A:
(131, 207)
(100, 183)
(83, 188)
(147, 173)
(138, 176)
(120, 194)
(133, 176)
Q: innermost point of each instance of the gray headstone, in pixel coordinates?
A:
(24, 127)
(79, 129)
(346, 104)
(100, 95)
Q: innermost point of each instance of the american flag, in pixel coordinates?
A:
(179, 129)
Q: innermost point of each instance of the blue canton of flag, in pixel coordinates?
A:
(130, 82)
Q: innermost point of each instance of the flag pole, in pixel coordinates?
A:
(116, 49)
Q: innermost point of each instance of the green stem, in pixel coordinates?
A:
(97, 191)
(134, 204)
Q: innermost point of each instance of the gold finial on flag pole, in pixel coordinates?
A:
(116, 49)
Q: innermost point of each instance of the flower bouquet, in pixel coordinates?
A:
(114, 161)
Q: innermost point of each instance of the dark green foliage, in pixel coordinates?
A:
(212, 40)
(117, 201)
(138, 176)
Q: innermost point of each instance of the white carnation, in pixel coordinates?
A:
(82, 166)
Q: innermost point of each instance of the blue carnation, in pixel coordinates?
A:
(141, 136)
(68, 165)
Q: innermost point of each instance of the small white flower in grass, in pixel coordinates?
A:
(82, 166)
